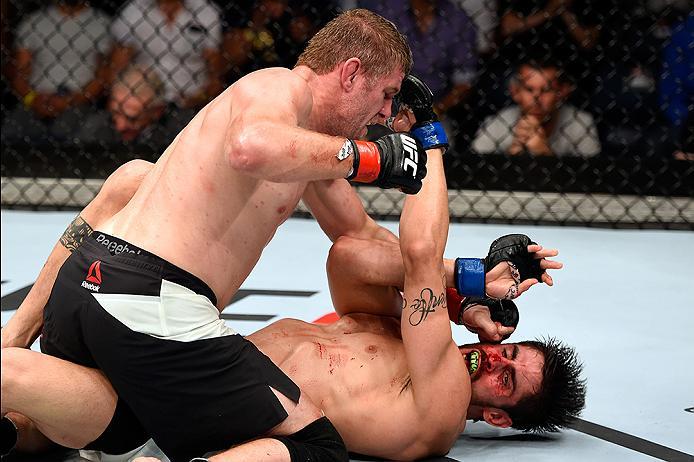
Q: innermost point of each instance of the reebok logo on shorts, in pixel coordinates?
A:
(115, 247)
(93, 280)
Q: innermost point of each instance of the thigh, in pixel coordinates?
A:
(192, 397)
(70, 404)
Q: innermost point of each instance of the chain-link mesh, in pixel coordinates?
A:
(559, 111)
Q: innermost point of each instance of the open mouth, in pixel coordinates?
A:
(474, 361)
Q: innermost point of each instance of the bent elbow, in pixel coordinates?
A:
(339, 253)
(246, 151)
(421, 253)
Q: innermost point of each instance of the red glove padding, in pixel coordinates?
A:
(455, 303)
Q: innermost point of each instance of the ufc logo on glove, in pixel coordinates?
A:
(410, 147)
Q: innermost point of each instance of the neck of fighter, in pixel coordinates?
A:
(323, 94)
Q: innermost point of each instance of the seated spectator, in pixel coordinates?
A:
(540, 123)
(686, 141)
(179, 39)
(486, 18)
(58, 71)
(273, 33)
(443, 42)
(136, 113)
(677, 79)
(567, 31)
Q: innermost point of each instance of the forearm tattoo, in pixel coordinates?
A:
(425, 304)
(75, 233)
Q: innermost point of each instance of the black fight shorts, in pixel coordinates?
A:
(194, 384)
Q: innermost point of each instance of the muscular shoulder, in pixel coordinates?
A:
(279, 86)
(277, 91)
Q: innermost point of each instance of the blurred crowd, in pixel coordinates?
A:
(515, 77)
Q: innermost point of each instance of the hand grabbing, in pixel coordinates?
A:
(504, 279)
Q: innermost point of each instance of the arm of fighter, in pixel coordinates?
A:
(336, 205)
(436, 367)
(340, 212)
(367, 276)
(24, 327)
(266, 139)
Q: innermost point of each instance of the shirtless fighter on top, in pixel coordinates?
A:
(148, 317)
(360, 369)
(139, 299)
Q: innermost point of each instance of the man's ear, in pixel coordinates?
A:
(496, 417)
(349, 72)
(513, 88)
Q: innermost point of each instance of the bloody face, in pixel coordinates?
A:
(502, 374)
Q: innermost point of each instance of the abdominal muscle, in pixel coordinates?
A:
(354, 371)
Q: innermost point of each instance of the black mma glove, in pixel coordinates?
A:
(419, 98)
(395, 160)
(504, 312)
(375, 131)
(512, 248)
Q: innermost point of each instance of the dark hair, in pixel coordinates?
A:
(544, 62)
(562, 393)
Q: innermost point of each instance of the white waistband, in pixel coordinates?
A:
(177, 313)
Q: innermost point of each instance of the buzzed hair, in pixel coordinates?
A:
(362, 34)
(562, 393)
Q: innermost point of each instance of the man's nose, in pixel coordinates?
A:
(386, 111)
(494, 362)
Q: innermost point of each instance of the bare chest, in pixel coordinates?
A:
(341, 365)
(207, 219)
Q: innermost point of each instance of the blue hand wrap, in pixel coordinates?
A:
(469, 277)
(431, 135)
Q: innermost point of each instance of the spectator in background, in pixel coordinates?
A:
(272, 33)
(444, 45)
(486, 18)
(136, 113)
(567, 31)
(677, 78)
(58, 71)
(624, 97)
(180, 39)
(540, 123)
(686, 142)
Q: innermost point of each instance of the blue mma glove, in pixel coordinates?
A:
(512, 248)
(418, 97)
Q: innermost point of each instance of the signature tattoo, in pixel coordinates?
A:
(75, 233)
(424, 305)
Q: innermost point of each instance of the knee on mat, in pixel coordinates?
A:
(318, 441)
